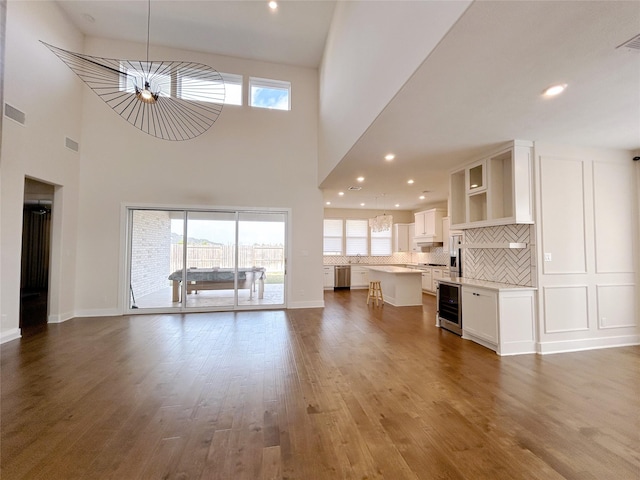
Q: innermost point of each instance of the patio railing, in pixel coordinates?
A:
(270, 257)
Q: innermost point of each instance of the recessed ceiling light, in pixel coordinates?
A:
(421, 197)
(397, 204)
(554, 90)
(362, 204)
(389, 156)
(273, 5)
(360, 179)
(328, 203)
(410, 181)
(341, 193)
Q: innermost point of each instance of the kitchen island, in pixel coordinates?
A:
(401, 287)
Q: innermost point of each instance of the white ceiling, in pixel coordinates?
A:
(295, 34)
(479, 88)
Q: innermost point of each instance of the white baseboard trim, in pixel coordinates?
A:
(10, 335)
(102, 312)
(309, 304)
(480, 341)
(588, 344)
(517, 348)
(60, 317)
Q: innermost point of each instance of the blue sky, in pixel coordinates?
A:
(271, 98)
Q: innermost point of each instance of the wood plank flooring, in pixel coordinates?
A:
(344, 392)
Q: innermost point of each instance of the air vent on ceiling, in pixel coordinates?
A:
(14, 114)
(354, 189)
(71, 144)
(632, 44)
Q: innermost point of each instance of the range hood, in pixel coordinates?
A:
(428, 244)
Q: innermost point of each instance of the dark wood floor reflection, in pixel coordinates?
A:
(344, 392)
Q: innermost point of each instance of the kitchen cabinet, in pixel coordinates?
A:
(495, 190)
(413, 245)
(428, 225)
(436, 274)
(329, 276)
(502, 319)
(359, 277)
(480, 314)
(401, 241)
(427, 282)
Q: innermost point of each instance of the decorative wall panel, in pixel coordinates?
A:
(563, 213)
(566, 309)
(616, 306)
(612, 186)
(505, 265)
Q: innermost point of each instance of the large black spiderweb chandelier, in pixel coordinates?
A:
(171, 100)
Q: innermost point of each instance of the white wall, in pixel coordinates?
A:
(587, 220)
(372, 49)
(250, 158)
(48, 95)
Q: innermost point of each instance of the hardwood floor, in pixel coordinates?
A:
(344, 392)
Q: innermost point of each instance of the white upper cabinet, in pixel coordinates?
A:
(495, 190)
(428, 225)
(401, 240)
(413, 246)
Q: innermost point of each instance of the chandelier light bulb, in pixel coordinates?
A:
(146, 95)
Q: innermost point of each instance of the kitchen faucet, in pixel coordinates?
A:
(358, 258)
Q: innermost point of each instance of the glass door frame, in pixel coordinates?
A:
(127, 210)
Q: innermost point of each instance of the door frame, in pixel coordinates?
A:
(124, 267)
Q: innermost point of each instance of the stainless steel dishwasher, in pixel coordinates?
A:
(342, 277)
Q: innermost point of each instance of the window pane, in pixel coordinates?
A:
(274, 94)
(157, 238)
(332, 240)
(261, 258)
(233, 88)
(381, 243)
(211, 245)
(357, 237)
(200, 90)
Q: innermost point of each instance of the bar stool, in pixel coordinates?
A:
(375, 292)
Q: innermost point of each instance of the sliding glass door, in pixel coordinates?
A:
(206, 259)
(261, 254)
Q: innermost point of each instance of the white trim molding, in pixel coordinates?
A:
(59, 318)
(309, 304)
(565, 346)
(9, 335)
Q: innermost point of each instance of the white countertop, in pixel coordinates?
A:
(470, 282)
(392, 269)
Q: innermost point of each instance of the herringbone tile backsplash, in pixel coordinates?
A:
(505, 265)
